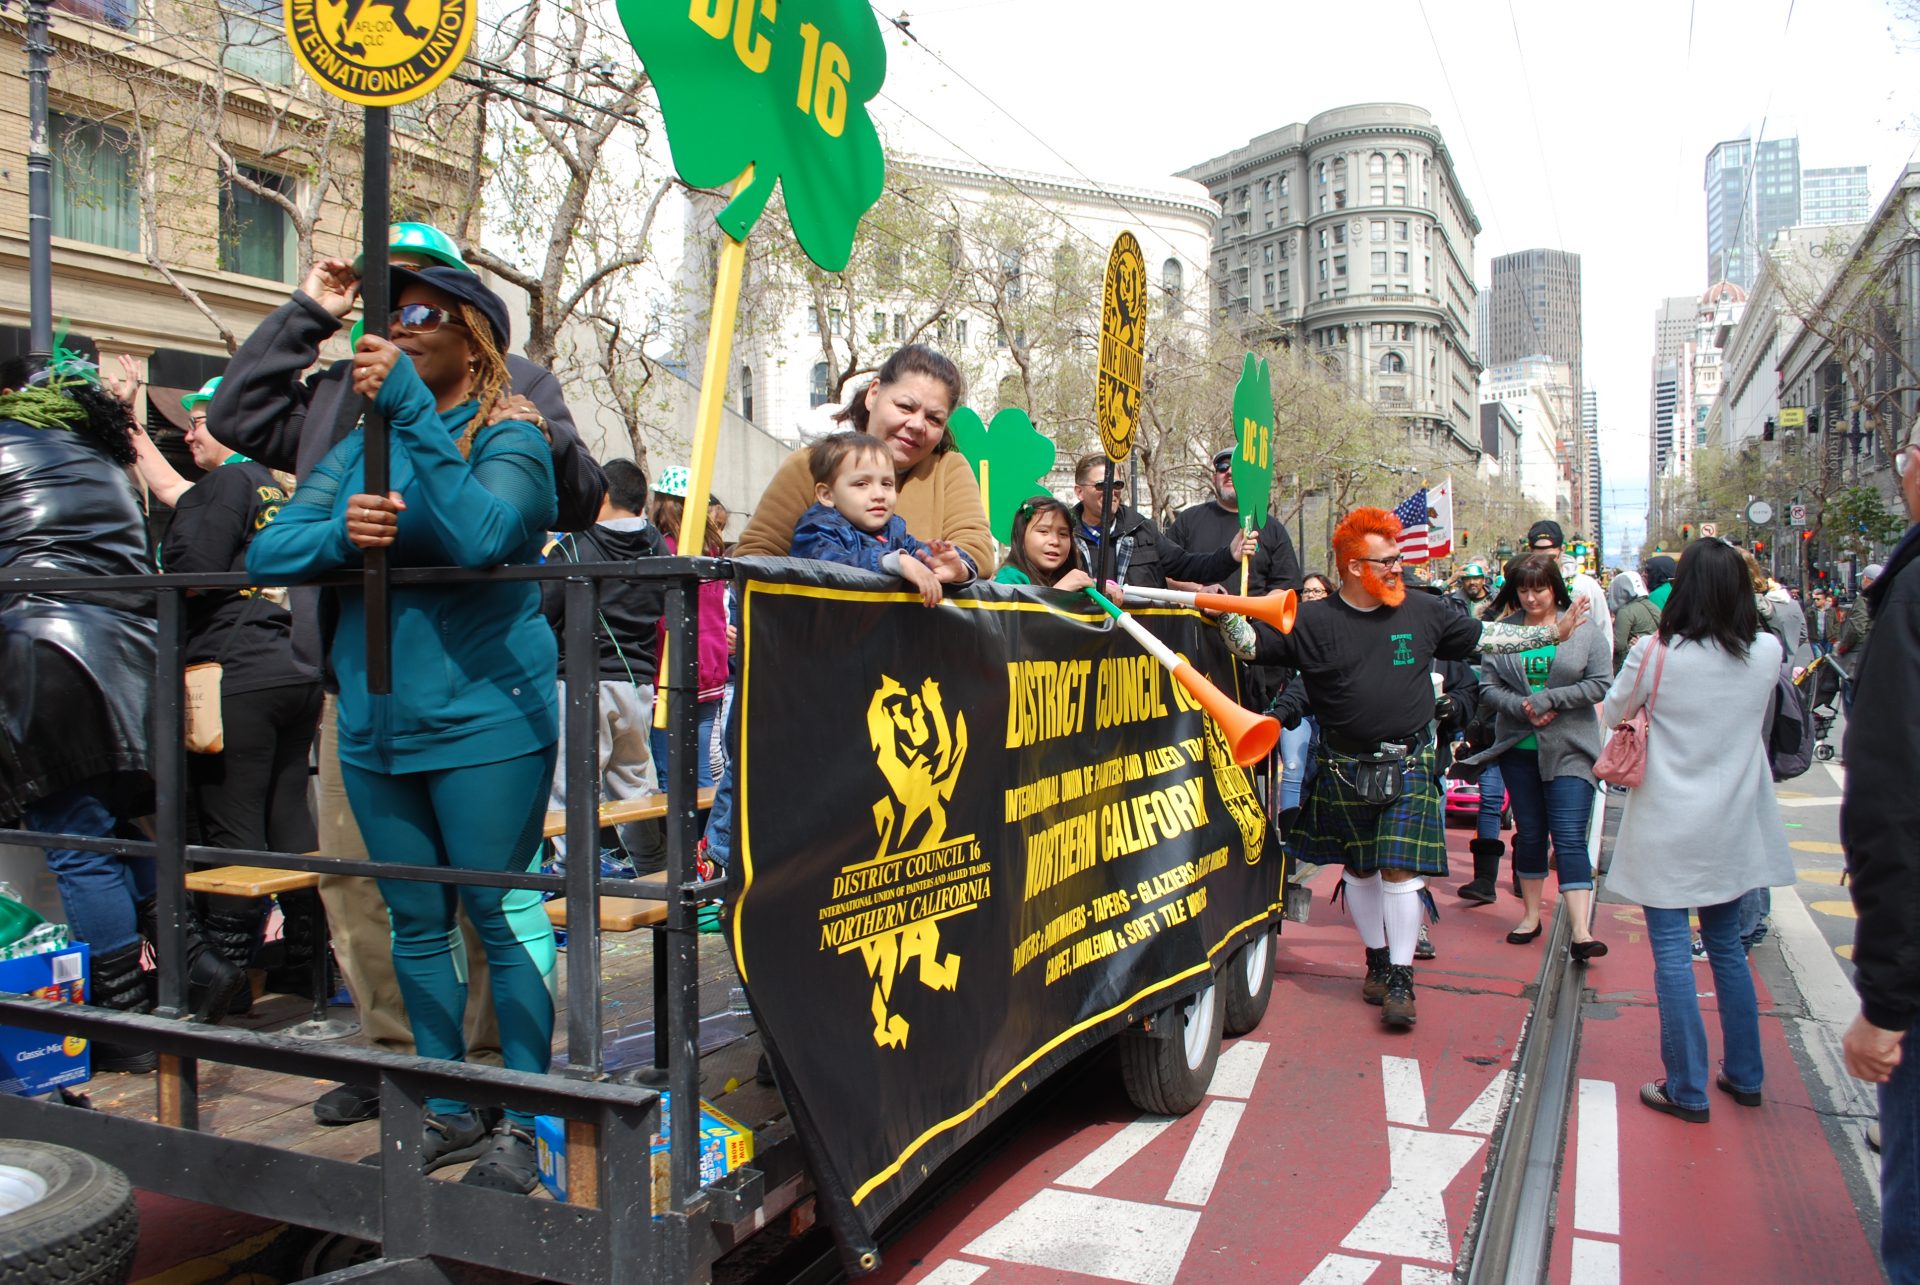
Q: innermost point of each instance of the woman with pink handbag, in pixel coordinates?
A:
(1702, 827)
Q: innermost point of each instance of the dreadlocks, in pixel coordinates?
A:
(489, 372)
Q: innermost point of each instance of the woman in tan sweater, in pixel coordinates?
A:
(906, 406)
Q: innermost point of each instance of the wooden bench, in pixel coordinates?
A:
(647, 807)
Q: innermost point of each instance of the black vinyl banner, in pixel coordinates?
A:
(971, 842)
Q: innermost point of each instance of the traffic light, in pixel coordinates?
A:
(1759, 548)
(1806, 535)
(1686, 532)
(1766, 431)
(1813, 421)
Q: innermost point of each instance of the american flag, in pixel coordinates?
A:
(1412, 513)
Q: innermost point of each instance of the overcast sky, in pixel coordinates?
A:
(1626, 105)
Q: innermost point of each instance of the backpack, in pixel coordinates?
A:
(1790, 732)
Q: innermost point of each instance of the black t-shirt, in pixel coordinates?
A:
(1366, 672)
(212, 525)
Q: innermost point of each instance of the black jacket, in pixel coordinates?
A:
(76, 672)
(1880, 819)
(627, 632)
(1147, 558)
(268, 408)
(1274, 565)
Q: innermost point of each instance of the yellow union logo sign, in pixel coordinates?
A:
(1123, 347)
(379, 53)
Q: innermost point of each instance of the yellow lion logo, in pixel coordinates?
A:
(920, 756)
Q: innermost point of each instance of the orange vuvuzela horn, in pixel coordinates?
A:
(1277, 610)
(1250, 736)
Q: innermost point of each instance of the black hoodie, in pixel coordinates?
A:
(1880, 817)
(630, 610)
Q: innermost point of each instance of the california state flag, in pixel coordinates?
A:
(1440, 520)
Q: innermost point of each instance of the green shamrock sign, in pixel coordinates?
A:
(779, 85)
(1253, 456)
(1009, 459)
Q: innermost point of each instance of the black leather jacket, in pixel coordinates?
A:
(76, 673)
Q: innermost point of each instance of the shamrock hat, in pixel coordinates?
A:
(421, 239)
(1474, 571)
(201, 398)
(673, 481)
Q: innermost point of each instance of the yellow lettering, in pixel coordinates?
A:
(750, 41)
(711, 17)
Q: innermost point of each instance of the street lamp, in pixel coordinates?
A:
(39, 189)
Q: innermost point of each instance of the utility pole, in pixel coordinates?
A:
(39, 191)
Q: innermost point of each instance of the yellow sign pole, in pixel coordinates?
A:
(713, 395)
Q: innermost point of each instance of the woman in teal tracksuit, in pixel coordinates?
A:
(452, 768)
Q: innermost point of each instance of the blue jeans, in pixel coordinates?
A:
(706, 711)
(720, 818)
(1754, 907)
(98, 890)
(1900, 1167)
(1561, 808)
(1294, 743)
(1493, 800)
(1683, 1036)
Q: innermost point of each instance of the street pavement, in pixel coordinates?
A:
(1333, 1152)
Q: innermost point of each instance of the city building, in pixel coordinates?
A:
(1532, 390)
(788, 357)
(1752, 192)
(1533, 307)
(1352, 234)
(1837, 195)
(1595, 525)
(161, 252)
(1686, 383)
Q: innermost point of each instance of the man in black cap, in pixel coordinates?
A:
(269, 408)
(1142, 554)
(1545, 536)
(1273, 567)
(1208, 525)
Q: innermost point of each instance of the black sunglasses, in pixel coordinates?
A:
(422, 318)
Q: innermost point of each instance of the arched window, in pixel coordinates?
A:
(1377, 163)
(1339, 169)
(1173, 280)
(1399, 164)
(1320, 173)
(746, 393)
(817, 394)
(1392, 363)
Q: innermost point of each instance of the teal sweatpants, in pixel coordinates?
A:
(485, 817)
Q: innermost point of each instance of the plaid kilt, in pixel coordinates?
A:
(1336, 829)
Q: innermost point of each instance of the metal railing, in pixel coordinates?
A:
(604, 1233)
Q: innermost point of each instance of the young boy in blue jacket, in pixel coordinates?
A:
(853, 522)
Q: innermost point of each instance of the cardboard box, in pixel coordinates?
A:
(725, 1145)
(29, 1061)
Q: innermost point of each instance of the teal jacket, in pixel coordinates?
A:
(473, 664)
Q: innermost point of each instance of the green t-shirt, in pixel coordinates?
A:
(1536, 664)
(1011, 574)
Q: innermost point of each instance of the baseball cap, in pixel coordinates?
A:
(464, 286)
(1222, 458)
(1874, 571)
(201, 398)
(1549, 529)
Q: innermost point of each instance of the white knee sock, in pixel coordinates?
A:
(1363, 903)
(1402, 915)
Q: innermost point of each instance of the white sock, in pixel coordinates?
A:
(1363, 903)
(1402, 914)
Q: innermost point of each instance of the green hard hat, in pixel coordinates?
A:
(202, 397)
(422, 239)
(1474, 571)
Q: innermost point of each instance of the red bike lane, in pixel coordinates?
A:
(1333, 1151)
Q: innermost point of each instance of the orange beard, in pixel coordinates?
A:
(1392, 594)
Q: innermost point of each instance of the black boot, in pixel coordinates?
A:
(233, 930)
(119, 983)
(1484, 888)
(291, 972)
(212, 982)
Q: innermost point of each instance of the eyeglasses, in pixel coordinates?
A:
(422, 318)
(1390, 564)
